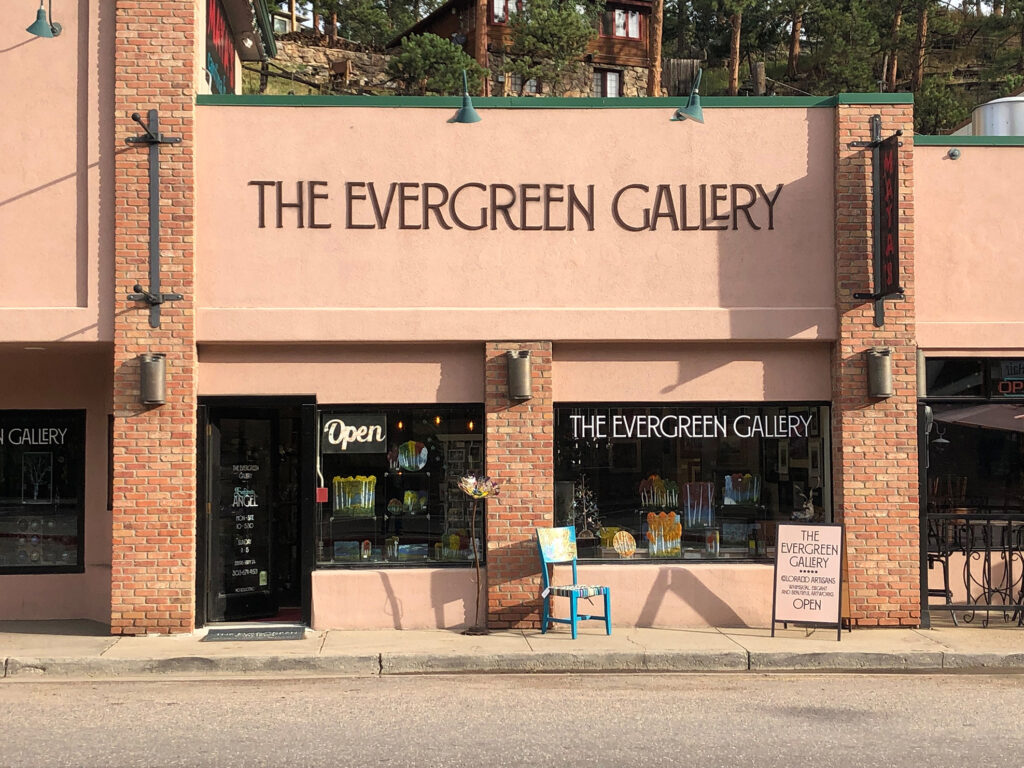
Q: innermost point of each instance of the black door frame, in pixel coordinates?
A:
(306, 405)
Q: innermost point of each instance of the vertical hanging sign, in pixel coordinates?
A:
(885, 176)
(887, 212)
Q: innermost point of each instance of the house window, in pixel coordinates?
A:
(621, 23)
(606, 83)
(515, 85)
(500, 9)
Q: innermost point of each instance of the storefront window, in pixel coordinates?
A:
(976, 458)
(955, 377)
(391, 485)
(42, 491)
(689, 482)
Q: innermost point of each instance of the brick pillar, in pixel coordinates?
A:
(875, 441)
(154, 453)
(520, 447)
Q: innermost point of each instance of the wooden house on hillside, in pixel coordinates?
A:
(616, 64)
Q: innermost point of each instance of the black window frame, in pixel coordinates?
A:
(820, 431)
(78, 480)
(324, 409)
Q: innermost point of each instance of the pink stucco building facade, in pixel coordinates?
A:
(362, 261)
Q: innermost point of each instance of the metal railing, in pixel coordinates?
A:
(992, 575)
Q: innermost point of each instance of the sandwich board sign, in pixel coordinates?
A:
(808, 575)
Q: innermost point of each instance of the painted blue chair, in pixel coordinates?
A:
(558, 545)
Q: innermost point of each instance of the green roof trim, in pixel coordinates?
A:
(266, 28)
(498, 102)
(875, 98)
(968, 141)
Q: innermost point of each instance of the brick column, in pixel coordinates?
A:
(875, 441)
(520, 446)
(154, 453)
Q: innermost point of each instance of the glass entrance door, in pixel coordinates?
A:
(238, 542)
(252, 516)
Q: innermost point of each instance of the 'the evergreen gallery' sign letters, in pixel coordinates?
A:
(526, 207)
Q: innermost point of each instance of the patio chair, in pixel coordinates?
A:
(556, 546)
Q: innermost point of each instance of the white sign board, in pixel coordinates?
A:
(808, 574)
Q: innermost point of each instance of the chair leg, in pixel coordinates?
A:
(608, 612)
(574, 615)
(545, 619)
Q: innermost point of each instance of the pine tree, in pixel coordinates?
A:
(428, 64)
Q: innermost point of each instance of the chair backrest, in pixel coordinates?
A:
(556, 545)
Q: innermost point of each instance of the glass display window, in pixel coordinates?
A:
(390, 479)
(704, 482)
(42, 491)
(955, 377)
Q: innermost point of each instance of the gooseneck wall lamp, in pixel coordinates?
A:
(42, 27)
(692, 110)
(466, 113)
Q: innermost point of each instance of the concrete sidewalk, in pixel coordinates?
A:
(81, 649)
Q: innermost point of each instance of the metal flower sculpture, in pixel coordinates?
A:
(477, 487)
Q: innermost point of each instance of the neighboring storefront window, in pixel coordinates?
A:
(391, 480)
(975, 459)
(689, 482)
(42, 491)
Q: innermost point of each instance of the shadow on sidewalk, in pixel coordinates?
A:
(68, 627)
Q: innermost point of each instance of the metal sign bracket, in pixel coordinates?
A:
(152, 137)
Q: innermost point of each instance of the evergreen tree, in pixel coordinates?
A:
(938, 107)
(550, 37)
(428, 64)
(845, 41)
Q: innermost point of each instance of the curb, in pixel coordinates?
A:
(98, 668)
(396, 664)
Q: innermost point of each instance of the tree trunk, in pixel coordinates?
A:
(654, 48)
(291, 9)
(757, 74)
(734, 53)
(922, 41)
(997, 8)
(889, 76)
(1020, 58)
(480, 41)
(333, 34)
(794, 42)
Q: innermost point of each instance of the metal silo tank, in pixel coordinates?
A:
(1002, 117)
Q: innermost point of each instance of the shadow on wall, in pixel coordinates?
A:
(451, 605)
(747, 279)
(714, 611)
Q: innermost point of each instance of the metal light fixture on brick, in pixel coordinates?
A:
(519, 378)
(879, 372)
(692, 110)
(42, 27)
(153, 379)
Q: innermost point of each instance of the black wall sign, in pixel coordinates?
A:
(353, 433)
(887, 209)
(1008, 379)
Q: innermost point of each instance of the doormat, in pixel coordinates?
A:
(229, 634)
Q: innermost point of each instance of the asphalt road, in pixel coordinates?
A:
(723, 720)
